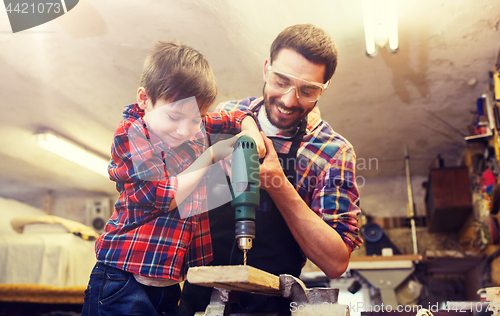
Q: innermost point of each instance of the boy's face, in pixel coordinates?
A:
(173, 122)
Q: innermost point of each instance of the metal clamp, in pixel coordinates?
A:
(294, 289)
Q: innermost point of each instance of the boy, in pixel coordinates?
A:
(158, 228)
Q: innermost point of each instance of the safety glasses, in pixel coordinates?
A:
(306, 91)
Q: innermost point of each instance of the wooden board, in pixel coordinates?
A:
(43, 294)
(237, 278)
(448, 199)
(398, 222)
(386, 258)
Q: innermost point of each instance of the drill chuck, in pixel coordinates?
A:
(245, 233)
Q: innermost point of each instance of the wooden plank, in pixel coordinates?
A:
(381, 265)
(238, 278)
(495, 274)
(386, 258)
(397, 222)
(448, 199)
(42, 294)
(493, 294)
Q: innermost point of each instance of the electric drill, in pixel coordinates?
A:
(245, 183)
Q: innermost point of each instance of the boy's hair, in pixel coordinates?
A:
(173, 71)
(311, 42)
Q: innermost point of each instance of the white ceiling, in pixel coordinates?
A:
(75, 74)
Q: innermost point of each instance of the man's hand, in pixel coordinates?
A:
(320, 243)
(271, 172)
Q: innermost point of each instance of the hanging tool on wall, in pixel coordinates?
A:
(410, 207)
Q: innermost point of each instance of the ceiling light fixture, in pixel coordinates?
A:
(380, 18)
(72, 151)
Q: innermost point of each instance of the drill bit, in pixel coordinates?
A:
(245, 257)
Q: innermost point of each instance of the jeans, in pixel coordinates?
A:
(115, 292)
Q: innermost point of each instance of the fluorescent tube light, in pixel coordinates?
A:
(380, 20)
(392, 23)
(72, 151)
(369, 28)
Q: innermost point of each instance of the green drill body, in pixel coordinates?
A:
(245, 183)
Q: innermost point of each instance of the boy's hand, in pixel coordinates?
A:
(224, 148)
(249, 127)
(261, 145)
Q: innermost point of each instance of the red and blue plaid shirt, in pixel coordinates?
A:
(325, 167)
(141, 237)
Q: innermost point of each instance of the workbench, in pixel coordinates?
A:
(385, 273)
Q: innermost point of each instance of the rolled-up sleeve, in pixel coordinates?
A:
(225, 122)
(336, 196)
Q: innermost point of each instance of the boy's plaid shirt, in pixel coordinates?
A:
(141, 237)
(325, 171)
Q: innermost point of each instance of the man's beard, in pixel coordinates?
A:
(277, 121)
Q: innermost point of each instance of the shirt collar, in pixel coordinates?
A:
(267, 127)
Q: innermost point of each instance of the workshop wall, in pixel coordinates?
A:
(388, 197)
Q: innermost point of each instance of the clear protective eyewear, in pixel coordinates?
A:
(306, 91)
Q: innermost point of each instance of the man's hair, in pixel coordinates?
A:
(311, 42)
(173, 71)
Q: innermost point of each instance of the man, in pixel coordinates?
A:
(309, 199)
